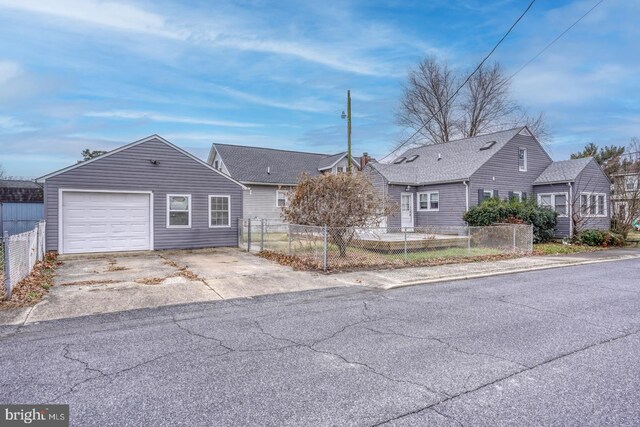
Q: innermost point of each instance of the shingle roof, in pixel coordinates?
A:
(327, 162)
(269, 165)
(20, 191)
(562, 171)
(458, 159)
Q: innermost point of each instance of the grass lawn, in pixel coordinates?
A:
(559, 248)
(443, 253)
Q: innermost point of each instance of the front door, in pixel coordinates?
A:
(406, 210)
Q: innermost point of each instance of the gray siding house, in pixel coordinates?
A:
(147, 195)
(269, 174)
(435, 185)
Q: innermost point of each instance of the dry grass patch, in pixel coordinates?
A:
(561, 248)
(32, 288)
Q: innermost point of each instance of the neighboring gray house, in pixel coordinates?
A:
(437, 184)
(147, 195)
(269, 173)
(21, 205)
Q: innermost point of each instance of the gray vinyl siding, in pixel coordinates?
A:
(393, 192)
(563, 226)
(380, 184)
(260, 202)
(592, 179)
(452, 206)
(131, 170)
(503, 165)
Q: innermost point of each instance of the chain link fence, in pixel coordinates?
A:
(336, 248)
(20, 253)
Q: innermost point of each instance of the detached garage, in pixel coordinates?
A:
(146, 195)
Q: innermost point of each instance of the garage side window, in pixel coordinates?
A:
(219, 211)
(178, 210)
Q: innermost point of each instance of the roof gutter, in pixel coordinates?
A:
(453, 181)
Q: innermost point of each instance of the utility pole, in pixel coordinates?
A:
(348, 117)
(349, 165)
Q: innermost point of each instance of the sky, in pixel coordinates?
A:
(78, 74)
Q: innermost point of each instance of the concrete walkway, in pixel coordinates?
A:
(88, 285)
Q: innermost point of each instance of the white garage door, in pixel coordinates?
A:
(105, 222)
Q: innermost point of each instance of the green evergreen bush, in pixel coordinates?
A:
(494, 210)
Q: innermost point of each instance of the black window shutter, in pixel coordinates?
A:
(510, 195)
(524, 195)
(495, 194)
(480, 195)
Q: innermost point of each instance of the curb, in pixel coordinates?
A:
(512, 271)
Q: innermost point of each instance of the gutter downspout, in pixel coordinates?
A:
(466, 187)
(570, 209)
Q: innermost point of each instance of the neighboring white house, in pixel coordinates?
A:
(269, 173)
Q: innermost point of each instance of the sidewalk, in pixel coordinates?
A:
(390, 279)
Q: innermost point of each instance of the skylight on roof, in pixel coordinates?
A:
(412, 158)
(399, 160)
(487, 145)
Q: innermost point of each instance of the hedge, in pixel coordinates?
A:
(492, 211)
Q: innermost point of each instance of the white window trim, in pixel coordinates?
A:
(553, 202)
(526, 159)
(517, 194)
(286, 199)
(428, 208)
(211, 196)
(169, 196)
(492, 195)
(596, 215)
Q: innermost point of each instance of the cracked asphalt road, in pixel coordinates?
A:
(555, 347)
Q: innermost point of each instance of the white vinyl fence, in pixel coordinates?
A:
(20, 253)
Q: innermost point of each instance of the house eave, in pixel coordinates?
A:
(420, 184)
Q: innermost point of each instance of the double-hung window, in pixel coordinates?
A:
(281, 198)
(631, 183)
(555, 201)
(219, 211)
(429, 201)
(593, 204)
(178, 210)
(522, 159)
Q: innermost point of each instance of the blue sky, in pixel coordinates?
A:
(78, 74)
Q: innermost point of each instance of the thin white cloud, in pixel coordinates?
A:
(116, 15)
(330, 56)
(308, 104)
(10, 124)
(158, 117)
(8, 71)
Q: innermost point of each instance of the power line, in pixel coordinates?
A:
(554, 40)
(465, 82)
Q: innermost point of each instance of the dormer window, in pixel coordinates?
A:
(216, 164)
(522, 159)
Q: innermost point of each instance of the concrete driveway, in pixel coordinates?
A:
(106, 283)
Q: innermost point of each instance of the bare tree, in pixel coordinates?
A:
(424, 106)
(339, 201)
(484, 104)
(2, 172)
(625, 190)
